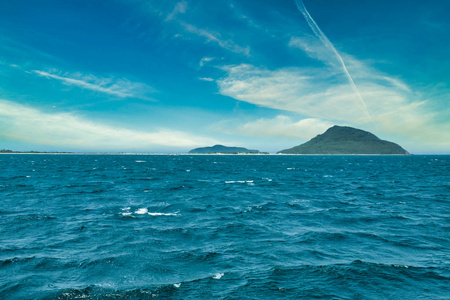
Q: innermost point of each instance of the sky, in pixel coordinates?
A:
(169, 76)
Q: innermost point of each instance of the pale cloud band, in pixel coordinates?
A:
(117, 87)
(69, 131)
(293, 89)
(279, 126)
(216, 38)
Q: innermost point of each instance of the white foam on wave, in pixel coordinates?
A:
(126, 214)
(239, 181)
(141, 211)
(401, 266)
(162, 214)
(177, 285)
(218, 275)
(126, 208)
(140, 161)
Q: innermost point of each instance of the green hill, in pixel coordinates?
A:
(222, 149)
(346, 140)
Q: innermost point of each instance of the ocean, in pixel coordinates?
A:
(224, 227)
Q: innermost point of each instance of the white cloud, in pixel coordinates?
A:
(324, 93)
(210, 36)
(314, 49)
(122, 88)
(66, 130)
(216, 38)
(206, 79)
(292, 89)
(281, 125)
(204, 60)
(180, 8)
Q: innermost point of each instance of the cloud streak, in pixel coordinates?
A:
(180, 8)
(216, 38)
(301, 90)
(116, 87)
(69, 131)
(318, 32)
(281, 125)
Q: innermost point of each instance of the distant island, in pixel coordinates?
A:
(222, 149)
(6, 151)
(346, 140)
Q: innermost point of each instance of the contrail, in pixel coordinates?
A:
(315, 28)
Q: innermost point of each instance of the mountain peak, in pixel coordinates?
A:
(346, 140)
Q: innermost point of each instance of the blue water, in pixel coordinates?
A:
(224, 227)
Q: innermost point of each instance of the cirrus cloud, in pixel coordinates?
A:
(122, 88)
(69, 131)
(281, 125)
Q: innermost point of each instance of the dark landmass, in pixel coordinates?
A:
(346, 140)
(11, 151)
(222, 149)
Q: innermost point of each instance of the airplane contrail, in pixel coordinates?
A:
(315, 28)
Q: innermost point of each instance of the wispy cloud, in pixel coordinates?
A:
(122, 88)
(324, 93)
(210, 36)
(205, 60)
(215, 37)
(69, 131)
(281, 125)
(180, 8)
(318, 32)
(305, 91)
(206, 79)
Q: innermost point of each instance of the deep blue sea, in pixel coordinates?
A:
(224, 227)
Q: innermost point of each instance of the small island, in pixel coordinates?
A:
(222, 149)
(7, 151)
(346, 140)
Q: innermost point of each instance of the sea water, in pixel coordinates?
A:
(224, 227)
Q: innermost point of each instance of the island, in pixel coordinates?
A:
(346, 140)
(222, 149)
(7, 151)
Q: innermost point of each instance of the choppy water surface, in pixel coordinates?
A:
(226, 227)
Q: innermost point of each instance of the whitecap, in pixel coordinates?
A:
(162, 214)
(141, 211)
(239, 181)
(218, 275)
(177, 285)
(139, 161)
(126, 214)
(126, 208)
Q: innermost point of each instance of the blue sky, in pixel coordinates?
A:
(169, 76)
